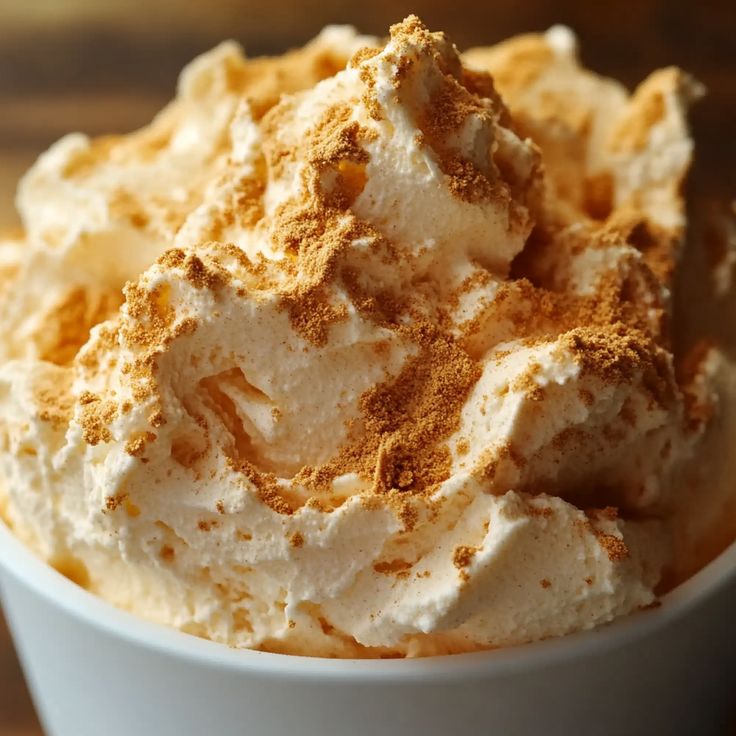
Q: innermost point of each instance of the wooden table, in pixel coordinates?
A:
(17, 717)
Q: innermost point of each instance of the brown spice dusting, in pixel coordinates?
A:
(508, 451)
(150, 323)
(406, 420)
(136, 445)
(544, 512)
(266, 484)
(112, 503)
(392, 567)
(317, 233)
(405, 479)
(375, 304)
(463, 556)
(311, 315)
(316, 229)
(207, 525)
(95, 414)
(408, 515)
(150, 312)
(368, 98)
(525, 383)
(545, 583)
(336, 138)
(186, 326)
(363, 54)
(100, 354)
(447, 110)
(614, 547)
(400, 440)
(610, 513)
(167, 553)
(172, 258)
(156, 418)
(200, 275)
(535, 306)
(618, 355)
(54, 400)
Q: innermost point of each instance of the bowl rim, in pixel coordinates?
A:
(34, 574)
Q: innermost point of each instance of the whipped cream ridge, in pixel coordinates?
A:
(360, 351)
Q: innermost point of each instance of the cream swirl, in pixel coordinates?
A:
(387, 376)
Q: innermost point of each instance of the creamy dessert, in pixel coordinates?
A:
(365, 350)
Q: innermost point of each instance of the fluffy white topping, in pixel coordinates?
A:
(390, 373)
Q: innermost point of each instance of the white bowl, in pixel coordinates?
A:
(94, 670)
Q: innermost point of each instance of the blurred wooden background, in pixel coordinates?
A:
(107, 66)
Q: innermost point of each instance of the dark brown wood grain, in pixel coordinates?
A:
(17, 717)
(104, 67)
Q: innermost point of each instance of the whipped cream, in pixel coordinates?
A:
(359, 351)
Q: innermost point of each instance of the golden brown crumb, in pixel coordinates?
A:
(136, 445)
(112, 503)
(207, 525)
(463, 556)
(95, 414)
(614, 547)
(392, 567)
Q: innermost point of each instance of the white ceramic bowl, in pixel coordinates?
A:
(96, 671)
